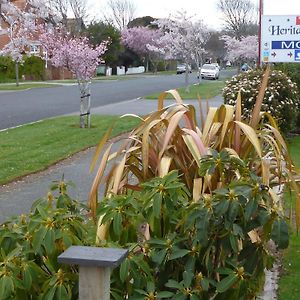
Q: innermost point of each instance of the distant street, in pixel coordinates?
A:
(21, 107)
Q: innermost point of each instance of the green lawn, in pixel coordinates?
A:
(294, 145)
(33, 147)
(25, 86)
(289, 283)
(206, 90)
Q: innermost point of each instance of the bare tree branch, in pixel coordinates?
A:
(119, 13)
(79, 8)
(237, 15)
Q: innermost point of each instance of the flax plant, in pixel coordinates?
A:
(171, 139)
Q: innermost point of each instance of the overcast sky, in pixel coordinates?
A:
(203, 9)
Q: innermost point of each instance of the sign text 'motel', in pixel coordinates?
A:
(286, 45)
(280, 39)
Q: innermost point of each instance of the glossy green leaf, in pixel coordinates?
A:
(166, 294)
(150, 286)
(194, 297)
(50, 293)
(49, 240)
(38, 238)
(117, 223)
(61, 293)
(222, 207)
(157, 205)
(187, 278)
(233, 243)
(226, 283)
(124, 269)
(6, 287)
(280, 234)
(27, 280)
(205, 284)
(250, 208)
(173, 284)
(179, 296)
(233, 211)
(178, 253)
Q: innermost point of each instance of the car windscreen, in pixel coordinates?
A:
(208, 67)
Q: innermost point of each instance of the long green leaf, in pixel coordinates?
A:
(251, 136)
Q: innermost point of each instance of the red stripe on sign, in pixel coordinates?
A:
(298, 20)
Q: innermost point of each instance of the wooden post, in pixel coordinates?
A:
(95, 266)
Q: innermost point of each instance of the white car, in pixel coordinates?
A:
(217, 65)
(209, 71)
(182, 68)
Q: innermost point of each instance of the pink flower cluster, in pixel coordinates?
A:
(74, 54)
(245, 49)
(139, 39)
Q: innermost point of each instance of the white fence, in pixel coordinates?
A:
(121, 70)
(136, 70)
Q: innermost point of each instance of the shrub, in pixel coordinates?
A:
(30, 245)
(33, 68)
(293, 71)
(7, 69)
(281, 98)
(214, 247)
(198, 199)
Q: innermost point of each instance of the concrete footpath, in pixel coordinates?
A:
(17, 197)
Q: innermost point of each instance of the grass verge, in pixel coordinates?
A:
(25, 86)
(33, 147)
(206, 90)
(289, 288)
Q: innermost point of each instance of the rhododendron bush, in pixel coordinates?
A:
(281, 97)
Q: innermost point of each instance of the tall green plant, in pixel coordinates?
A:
(170, 139)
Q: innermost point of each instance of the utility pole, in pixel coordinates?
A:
(260, 12)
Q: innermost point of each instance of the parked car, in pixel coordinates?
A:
(217, 65)
(182, 68)
(209, 71)
(245, 67)
(228, 63)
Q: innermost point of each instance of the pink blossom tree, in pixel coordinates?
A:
(145, 42)
(184, 39)
(76, 55)
(245, 49)
(20, 31)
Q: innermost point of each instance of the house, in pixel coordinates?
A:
(4, 39)
(35, 46)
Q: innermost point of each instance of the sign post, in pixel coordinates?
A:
(261, 12)
(280, 39)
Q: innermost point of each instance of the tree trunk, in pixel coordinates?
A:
(147, 64)
(85, 104)
(17, 73)
(187, 72)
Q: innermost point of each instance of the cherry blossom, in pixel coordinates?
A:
(76, 55)
(146, 42)
(184, 39)
(244, 50)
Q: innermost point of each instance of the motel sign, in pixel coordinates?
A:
(280, 39)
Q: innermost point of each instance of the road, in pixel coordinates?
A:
(21, 107)
(17, 197)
